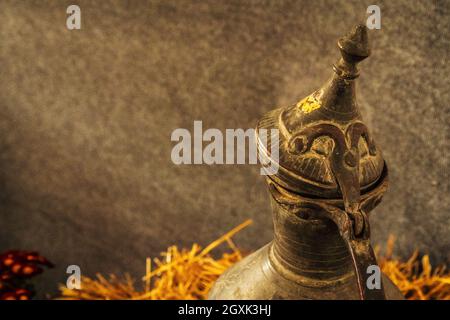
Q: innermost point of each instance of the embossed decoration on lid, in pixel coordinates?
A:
(323, 141)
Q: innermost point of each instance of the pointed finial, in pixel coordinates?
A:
(354, 48)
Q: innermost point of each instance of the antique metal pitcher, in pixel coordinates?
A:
(331, 175)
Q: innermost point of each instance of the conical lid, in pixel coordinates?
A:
(325, 149)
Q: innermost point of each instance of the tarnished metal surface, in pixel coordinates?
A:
(331, 176)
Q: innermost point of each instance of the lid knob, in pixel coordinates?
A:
(354, 48)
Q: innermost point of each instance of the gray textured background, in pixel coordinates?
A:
(86, 117)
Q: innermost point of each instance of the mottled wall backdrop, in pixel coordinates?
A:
(86, 116)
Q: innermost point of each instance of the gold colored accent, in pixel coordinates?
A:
(309, 104)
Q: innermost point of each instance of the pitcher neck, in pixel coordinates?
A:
(310, 249)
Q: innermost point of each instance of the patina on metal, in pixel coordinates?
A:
(331, 175)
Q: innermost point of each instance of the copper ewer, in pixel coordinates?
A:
(331, 175)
